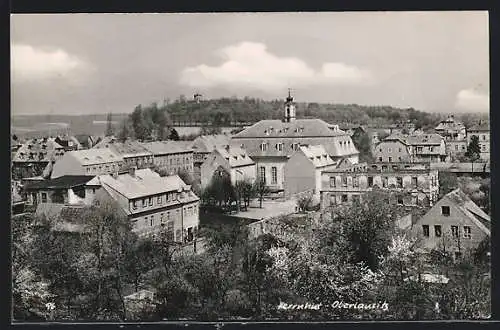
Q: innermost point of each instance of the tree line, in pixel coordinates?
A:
(352, 254)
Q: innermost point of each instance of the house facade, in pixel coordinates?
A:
(172, 156)
(233, 160)
(411, 183)
(88, 162)
(132, 152)
(392, 150)
(270, 143)
(153, 203)
(482, 131)
(451, 129)
(455, 224)
(68, 190)
(204, 145)
(303, 170)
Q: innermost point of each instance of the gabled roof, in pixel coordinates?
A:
(168, 147)
(96, 156)
(43, 150)
(62, 182)
(236, 156)
(296, 128)
(424, 139)
(317, 155)
(482, 127)
(470, 209)
(208, 143)
(128, 149)
(145, 182)
(105, 142)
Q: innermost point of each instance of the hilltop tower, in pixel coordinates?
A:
(289, 108)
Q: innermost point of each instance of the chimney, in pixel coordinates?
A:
(131, 171)
(115, 175)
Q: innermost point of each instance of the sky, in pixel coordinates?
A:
(100, 63)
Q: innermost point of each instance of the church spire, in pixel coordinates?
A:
(289, 108)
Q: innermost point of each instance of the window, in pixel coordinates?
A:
(161, 218)
(467, 232)
(425, 228)
(414, 181)
(158, 200)
(170, 231)
(454, 231)
(262, 173)
(88, 169)
(400, 200)
(152, 221)
(389, 149)
(150, 201)
(384, 182)
(370, 181)
(344, 181)
(332, 182)
(274, 175)
(279, 146)
(333, 200)
(44, 197)
(437, 230)
(134, 205)
(399, 149)
(399, 182)
(355, 181)
(263, 146)
(445, 210)
(456, 146)
(344, 198)
(380, 159)
(144, 202)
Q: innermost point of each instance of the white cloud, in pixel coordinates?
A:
(29, 63)
(472, 100)
(250, 64)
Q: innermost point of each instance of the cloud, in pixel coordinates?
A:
(250, 64)
(472, 100)
(29, 63)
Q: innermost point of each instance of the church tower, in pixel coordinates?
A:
(289, 108)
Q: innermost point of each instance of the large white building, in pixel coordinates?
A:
(270, 143)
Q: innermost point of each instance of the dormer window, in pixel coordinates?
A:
(235, 157)
(266, 132)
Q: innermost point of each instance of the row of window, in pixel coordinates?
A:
(354, 181)
(160, 219)
(107, 168)
(334, 199)
(455, 231)
(169, 197)
(278, 146)
(274, 174)
(389, 159)
(178, 161)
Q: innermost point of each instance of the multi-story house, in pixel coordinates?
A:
(88, 162)
(234, 161)
(411, 148)
(33, 157)
(451, 129)
(270, 143)
(152, 202)
(204, 145)
(455, 224)
(482, 131)
(454, 134)
(132, 152)
(86, 141)
(67, 189)
(392, 149)
(411, 183)
(303, 170)
(172, 156)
